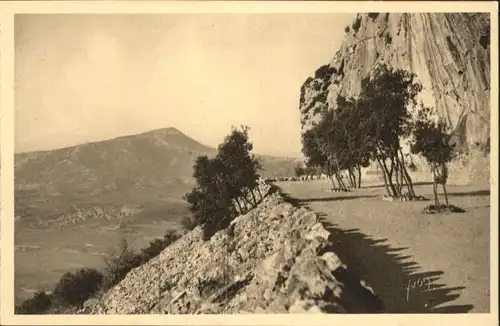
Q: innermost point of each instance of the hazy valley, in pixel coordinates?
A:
(73, 205)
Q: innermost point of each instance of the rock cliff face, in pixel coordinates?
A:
(274, 259)
(449, 52)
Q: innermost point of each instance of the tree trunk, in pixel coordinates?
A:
(359, 176)
(444, 179)
(398, 183)
(341, 183)
(409, 182)
(434, 185)
(253, 197)
(333, 183)
(354, 184)
(389, 178)
(402, 178)
(434, 190)
(385, 177)
(260, 193)
(350, 176)
(394, 171)
(245, 200)
(240, 209)
(445, 194)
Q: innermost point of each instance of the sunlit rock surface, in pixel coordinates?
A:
(449, 52)
(274, 259)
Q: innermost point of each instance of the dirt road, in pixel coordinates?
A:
(415, 262)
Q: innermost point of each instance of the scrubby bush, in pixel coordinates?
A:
(37, 305)
(433, 140)
(188, 223)
(224, 184)
(75, 289)
(373, 15)
(357, 24)
(158, 245)
(346, 29)
(118, 265)
(299, 169)
(323, 72)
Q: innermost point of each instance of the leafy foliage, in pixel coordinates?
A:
(75, 289)
(158, 245)
(299, 169)
(188, 223)
(331, 146)
(432, 139)
(118, 266)
(368, 128)
(38, 304)
(357, 24)
(222, 181)
(383, 105)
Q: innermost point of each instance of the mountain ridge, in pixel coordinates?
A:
(153, 167)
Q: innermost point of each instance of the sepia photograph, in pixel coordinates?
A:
(252, 163)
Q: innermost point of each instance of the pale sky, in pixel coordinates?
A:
(82, 78)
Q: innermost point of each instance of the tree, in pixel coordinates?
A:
(75, 289)
(299, 169)
(351, 140)
(371, 127)
(210, 201)
(240, 164)
(223, 182)
(383, 112)
(156, 246)
(432, 140)
(118, 265)
(39, 304)
(321, 147)
(335, 144)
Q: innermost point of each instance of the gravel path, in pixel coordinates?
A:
(444, 258)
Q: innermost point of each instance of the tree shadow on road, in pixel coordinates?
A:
(471, 193)
(381, 185)
(303, 202)
(395, 278)
(339, 198)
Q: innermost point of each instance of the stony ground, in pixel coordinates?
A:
(444, 258)
(274, 259)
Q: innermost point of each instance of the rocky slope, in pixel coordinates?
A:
(274, 259)
(449, 52)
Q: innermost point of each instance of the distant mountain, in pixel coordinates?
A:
(150, 167)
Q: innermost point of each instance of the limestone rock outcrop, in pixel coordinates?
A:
(449, 52)
(274, 259)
